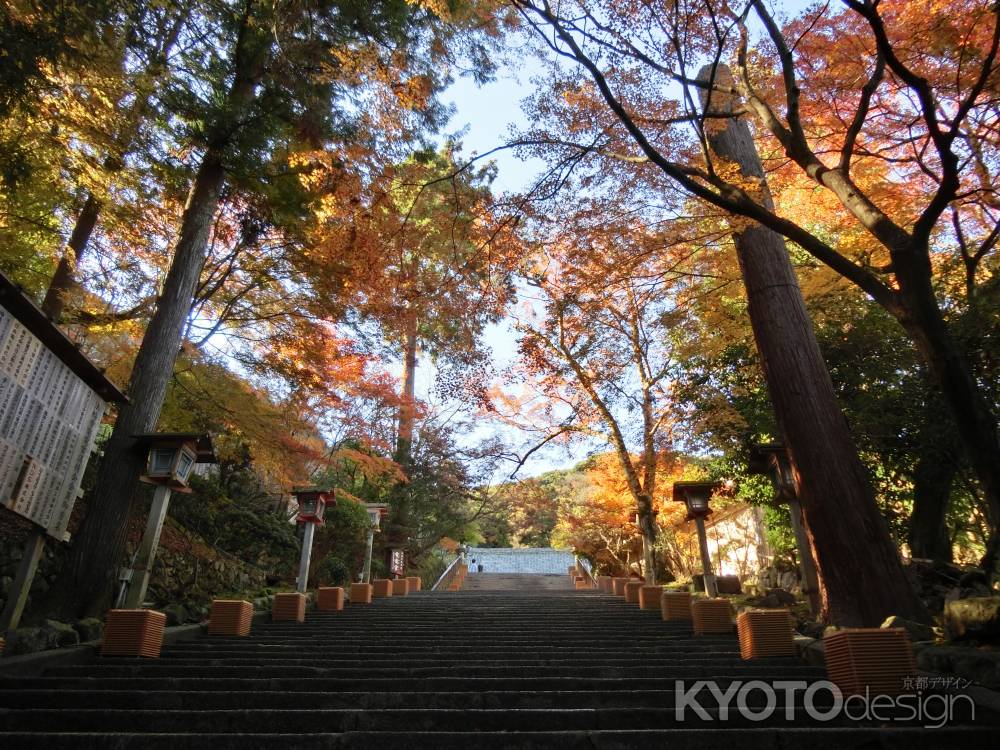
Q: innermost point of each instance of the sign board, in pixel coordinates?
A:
(396, 562)
(48, 420)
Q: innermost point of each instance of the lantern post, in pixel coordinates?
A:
(376, 511)
(695, 496)
(772, 459)
(171, 457)
(312, 506)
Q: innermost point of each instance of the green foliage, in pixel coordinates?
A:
(237, 525)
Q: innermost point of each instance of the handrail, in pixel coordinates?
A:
(447, 570)
(586, 573)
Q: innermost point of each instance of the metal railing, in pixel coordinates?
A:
(447, 571)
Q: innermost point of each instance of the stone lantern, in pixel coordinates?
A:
(696, 497)
(170, 459)
(772, 460)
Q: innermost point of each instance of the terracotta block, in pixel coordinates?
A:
(289, 608)
(632, 591)
(572, 571)
(618, 586)
(329, 598)
(381, 588)
(649, 597)
(581, 583)
(711, 616)
(414, 583)
(604, 584)
(230, 617)
(400, 587)
(879, 659)
(765, 632)
(361, 593)
(133, 632)
(675, 605)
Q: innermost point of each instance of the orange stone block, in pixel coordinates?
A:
(632, 592)
(414, 582)
(361, 593)
(675, 605)
(329, 598)
(764, 633)
(133, 632)
(711, 616)
(288, 608)
(381, 588)
(581, 583)
(649, 597)
(878, 659)
(230, 617)
(400, 587)
(618, 586)
(604, 584)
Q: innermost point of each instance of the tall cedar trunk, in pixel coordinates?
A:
(399, 530)
(64, 280)
(861, 577)
(928, 532)
(974, 419)
(85, 584)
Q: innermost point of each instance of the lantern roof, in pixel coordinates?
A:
(382, 508)
(201, 441)
(760, 456)
(680, 488)
(326, 492)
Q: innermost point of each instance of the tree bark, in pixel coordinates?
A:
(861, 575)
(85, 584)
(928, 532)
(64, 279)
(407, 411)
(975, 422)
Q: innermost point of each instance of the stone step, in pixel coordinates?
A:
(753, 738)
(321, 721)
(370, 685)
(250, 698)
(472, 661)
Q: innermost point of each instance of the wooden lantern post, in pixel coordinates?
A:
(772, 459)
(312, 506)
(171, 459)
(376, 512)
(696, 495)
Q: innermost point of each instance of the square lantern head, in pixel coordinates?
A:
(772, 459)
(695, 496)
(376, 512)
(312, 504)
(171, 457)
(397, 561)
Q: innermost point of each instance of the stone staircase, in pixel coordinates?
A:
(489, 668)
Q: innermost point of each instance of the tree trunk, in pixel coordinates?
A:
(928, 532)
(398, 531)
(85, 584)
(974, 419)
(407, 406)
(64, 280)
(861, 575)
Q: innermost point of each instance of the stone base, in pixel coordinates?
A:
(414, 583)
(632, 592)
(381, 588)
(618, 586)
(361, 593)
(400, 587)
(710, 616)
(288, 608)
(649, 597)
(330, 598)
(229, 617)
(133, 632)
